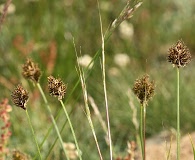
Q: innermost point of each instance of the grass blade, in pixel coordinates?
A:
(192, 145)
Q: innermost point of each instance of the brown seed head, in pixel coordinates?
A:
(56, 87)
(31, 71)
(179, 55)
(20, 97)
(144, 89)
(17, 155)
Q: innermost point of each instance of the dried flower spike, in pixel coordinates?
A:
(31, 71)
(20, 97)
(144, 89)
(56, 87)
(179, 55)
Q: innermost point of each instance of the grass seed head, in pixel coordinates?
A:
(144, 89)
(31, 71)
(56, 87)
(179, 55)
(20, 97)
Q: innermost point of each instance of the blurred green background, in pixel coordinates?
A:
(44, 30)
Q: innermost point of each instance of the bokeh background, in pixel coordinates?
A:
(44, 30)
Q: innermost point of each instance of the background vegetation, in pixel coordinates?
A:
(43, 30)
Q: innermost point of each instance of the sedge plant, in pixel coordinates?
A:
(144, 90)
(179, 55)
(58, 89)
(31, 71)
(125, 14)
(34, 73)
(20, 97)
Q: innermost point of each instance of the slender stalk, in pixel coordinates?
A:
(72, 130)
(52, 118)
(106, 99)
(178, 118)
(144, 131)
(104, 85)
(29, 121)
(88, 114)
(95, 137)
(107, 36)
(169, 151)
(141, 130)
(53, 144)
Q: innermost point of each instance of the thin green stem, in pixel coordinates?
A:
(107, 36)
(83, 84)
(141, 130)
(72, 130)
(178, 118)
(52, 118)
(53, 144)
(144, 131)
(29, 121)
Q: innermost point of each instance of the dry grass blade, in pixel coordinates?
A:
(169, 150)
(192, 145)
(97, 113)
(104, 85)
(5, 10)
(85, 96)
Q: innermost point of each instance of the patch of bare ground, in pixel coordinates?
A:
(157, 147)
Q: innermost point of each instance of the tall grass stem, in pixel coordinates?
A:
(29, 121)
(53, 120)
(178, 117)
(72, 130)
(104, 84)
(85, 96)
(141, 130)
(144, 131)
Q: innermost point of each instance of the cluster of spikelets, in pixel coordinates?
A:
(31, 71)
(179, 55)
(56, 88)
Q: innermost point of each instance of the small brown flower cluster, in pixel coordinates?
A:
(17, 155)
(31, 71)
(179, 55)
(56, 87)
(5, 132)
(144, 89)
(20, 97)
